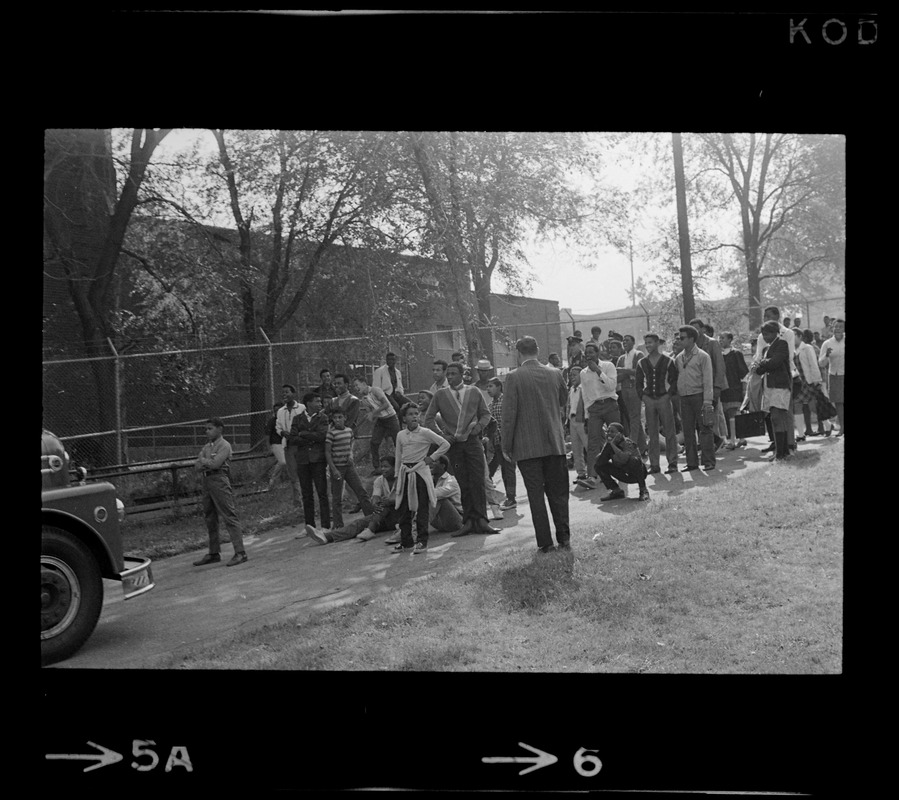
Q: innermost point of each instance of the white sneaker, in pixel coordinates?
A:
(316, 534)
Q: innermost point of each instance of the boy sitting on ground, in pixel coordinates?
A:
(384, 516)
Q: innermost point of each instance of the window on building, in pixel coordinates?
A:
(445, 338)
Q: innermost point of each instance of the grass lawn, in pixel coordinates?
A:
(169, 535)
(743, 577)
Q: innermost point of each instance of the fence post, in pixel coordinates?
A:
(271, 365)
(175, 507)
(120, 454)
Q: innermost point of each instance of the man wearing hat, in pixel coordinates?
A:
(575, 350)
(484, 368)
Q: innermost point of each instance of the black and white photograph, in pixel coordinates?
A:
(496, 409)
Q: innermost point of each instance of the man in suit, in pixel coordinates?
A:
(532, 436)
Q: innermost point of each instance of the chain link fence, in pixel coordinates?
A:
(129, 409)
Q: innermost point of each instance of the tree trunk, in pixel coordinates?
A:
(754, 286)
(485, 337)
(256, 356)
(80, 190)
(449, 244)
(683, 230)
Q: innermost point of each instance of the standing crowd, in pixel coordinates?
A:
(617, 404)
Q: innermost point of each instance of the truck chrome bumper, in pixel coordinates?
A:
(137, 578)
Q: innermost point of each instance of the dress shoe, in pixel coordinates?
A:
(484, 527)
(548, 549)
(708, 467)
(564, 546)
(237, 558)
(689, 468)
(671, 469)
(466, 529)
(615, 494)
(654, 469)
(769, 448)
(209, 558)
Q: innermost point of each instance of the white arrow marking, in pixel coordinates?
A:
(542, 759)
(105, 757)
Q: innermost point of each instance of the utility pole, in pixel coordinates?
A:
(683, 231)
(630, 246)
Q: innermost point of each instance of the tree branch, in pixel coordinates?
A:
(168, 288)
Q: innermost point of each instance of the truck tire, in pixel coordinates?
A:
(71, 594)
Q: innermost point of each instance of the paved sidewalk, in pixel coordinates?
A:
(289, 578)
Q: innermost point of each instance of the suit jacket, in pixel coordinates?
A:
(308, 437)
(532, 398)
(777, 365)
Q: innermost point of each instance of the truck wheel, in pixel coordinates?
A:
(71, 594)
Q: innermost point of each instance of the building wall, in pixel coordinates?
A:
(519, 316)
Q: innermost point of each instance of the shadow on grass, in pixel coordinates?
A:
(529, 586)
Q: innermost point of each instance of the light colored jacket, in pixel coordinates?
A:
(381, 378)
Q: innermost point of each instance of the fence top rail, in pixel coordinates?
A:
(163, 425)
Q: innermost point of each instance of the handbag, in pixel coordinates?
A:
(750, 424)
(824, 407)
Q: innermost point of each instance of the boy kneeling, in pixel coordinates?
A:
(620, 460)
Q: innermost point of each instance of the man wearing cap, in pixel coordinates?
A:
(575, 350)
(533, 438)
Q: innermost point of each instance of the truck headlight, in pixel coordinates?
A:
(120, 508)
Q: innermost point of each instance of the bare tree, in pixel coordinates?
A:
(789, 191)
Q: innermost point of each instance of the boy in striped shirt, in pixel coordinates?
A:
(339, 455)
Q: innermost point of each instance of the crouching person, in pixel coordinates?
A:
(384, 515)
(620, 460)
(446, 516)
